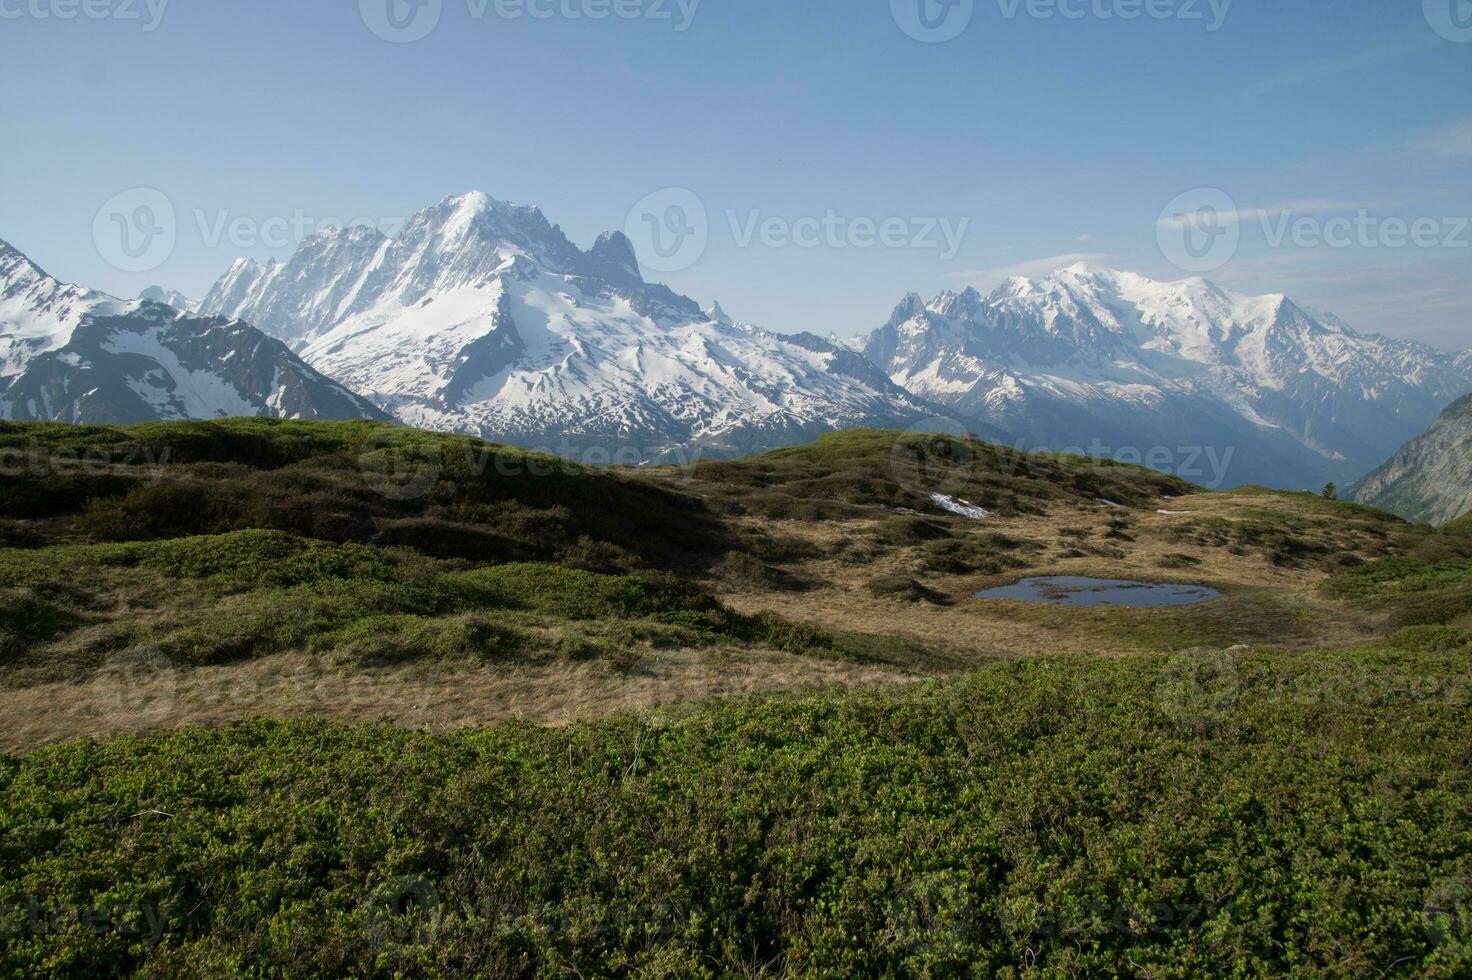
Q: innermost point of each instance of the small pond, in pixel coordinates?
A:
(1073, 590)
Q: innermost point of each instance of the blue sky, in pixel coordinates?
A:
(1046, 134)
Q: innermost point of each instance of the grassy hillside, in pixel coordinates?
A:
(363, 482)
(345, 699)
(1242, 815)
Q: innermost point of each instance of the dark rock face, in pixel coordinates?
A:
(1430, 478)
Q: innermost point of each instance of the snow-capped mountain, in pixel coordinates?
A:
(170, 297)
(482, 317)
(1125, 366)
(75, 355)
(1430, 478)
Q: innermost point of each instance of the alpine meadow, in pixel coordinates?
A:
(400, 581)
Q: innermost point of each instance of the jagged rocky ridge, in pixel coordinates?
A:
(76, 355)
(482, 317)
(1430, 478)
(1219, 387)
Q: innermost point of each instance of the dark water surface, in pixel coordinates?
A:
(1073, 590)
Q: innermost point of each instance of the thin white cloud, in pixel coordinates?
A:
(986, 279)
(1313, 205)
(1404, 45)
(1453, 141)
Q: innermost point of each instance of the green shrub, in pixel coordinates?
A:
(27, 619)
(970, 556)
(384, 640)
(1436, 639)
(1055, 817)
(159, 509)
(905, 531)
(264, 559)
(578, 648)
(905, 589)
(574, 594)
(746, 571)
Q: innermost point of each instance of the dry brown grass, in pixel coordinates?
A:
(419, 697)
(1266, 604)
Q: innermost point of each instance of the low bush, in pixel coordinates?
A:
(906, 531)
(905, 589)
(385, 640)
(1160, 816)
(746, 571)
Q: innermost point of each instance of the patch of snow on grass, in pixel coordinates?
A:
(960, 507)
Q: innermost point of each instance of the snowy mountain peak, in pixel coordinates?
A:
(716, 314)
(76, 355)
(169, 297)
(481, 317)
(1091, 352)
(909, 307)
(612, 258)
(962, 304)
(16, 271)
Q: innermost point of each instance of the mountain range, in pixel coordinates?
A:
(1117, 364)
(482, 317)
(76, 355)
